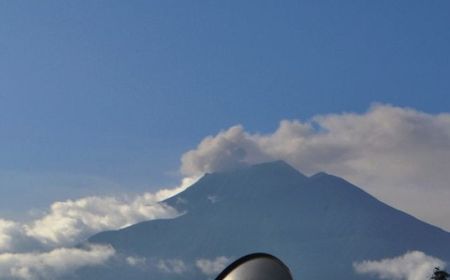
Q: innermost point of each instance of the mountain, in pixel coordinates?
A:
(317, 225)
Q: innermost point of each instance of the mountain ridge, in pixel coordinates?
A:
(274, 208)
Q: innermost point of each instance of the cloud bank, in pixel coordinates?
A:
(9, 231)
(70, 222)
(399, 155)
(48, 265)
(413, 265)
(73, 220)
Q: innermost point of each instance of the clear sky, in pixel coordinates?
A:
(102, 97)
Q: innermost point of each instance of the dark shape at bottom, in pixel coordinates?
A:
(257, 266)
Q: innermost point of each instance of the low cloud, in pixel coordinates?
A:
(48, 265)
(400, 155)
(9, 231)
(70, 221)
(208, 267)
(140, 262)
(212, 267)
(413, 265)
(13, 238)
(175, 266)
(166, 193)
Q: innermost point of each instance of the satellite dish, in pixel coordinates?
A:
(258, 266)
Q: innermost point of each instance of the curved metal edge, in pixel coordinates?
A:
(246, 258)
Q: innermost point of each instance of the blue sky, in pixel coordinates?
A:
(101, 97)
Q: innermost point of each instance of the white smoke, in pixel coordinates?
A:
(400, 155)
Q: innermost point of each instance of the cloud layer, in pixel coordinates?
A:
(413, 265)
(48, 265)
(400, 155)
(69, 222)
(208, 267)
(9, 230)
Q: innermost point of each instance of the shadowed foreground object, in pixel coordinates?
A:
(258, 266)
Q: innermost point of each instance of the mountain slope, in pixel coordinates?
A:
(308, 222)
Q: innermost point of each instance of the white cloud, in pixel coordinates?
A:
(169, 192)
(400, 155)
(136, 261)
(33, 266)
(70, 221)
(212, 267)
(175, 266)
(413, 265)
(9, 230)
(13, 238)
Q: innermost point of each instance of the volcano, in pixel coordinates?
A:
(319, 226)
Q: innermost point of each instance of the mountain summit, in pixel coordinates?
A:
(308, 222)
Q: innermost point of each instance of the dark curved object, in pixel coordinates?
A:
(257, 266)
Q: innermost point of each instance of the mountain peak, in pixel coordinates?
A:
(319, 175)
(245, 182)
(277, 167)
(273, 164)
